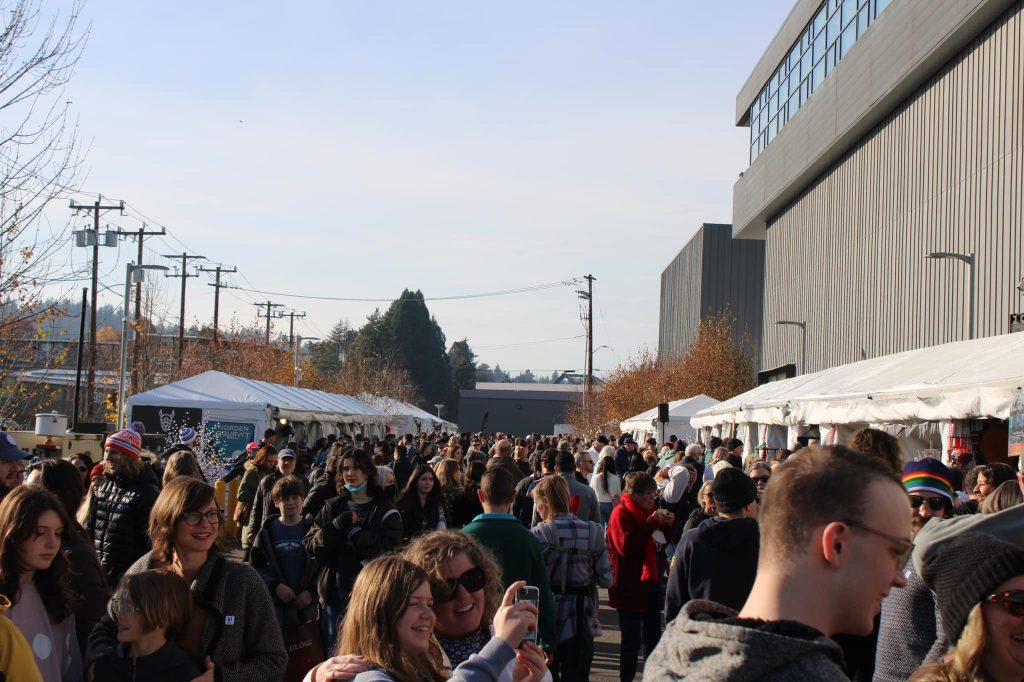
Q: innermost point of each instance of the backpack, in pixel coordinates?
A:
(597, 544)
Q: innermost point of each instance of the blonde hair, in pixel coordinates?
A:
(445, 470)
(555, 493)
(965, 659)
(380, 596)
(1005, 496)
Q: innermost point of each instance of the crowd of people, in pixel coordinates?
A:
(480, 557)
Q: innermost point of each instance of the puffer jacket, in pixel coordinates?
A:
(342, 552)
(119, 525)
(240, 635)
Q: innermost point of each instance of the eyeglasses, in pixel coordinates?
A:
(760, 479)
(473, 580)
(121, 606)
(195, 518)
(906, 546)
(935, 504)
(1012, 601)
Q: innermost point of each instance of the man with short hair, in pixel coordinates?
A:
(515, 548)
(584, 467)
(503, 460)
(543, 465)
(717, 560)
(835, 534)
(596, 447)
(582, 497)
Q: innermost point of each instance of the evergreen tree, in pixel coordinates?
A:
(419, 346)
(326, 355)
(462, 361)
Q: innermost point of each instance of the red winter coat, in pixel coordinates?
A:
(629, 545)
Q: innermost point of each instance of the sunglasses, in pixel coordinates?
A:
(760, 479)
(473, 580)
(935, 504)
(1012, 601)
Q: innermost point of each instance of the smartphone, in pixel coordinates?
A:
(530, 595)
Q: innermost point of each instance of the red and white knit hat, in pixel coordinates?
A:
(127, 442)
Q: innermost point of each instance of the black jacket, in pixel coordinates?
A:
(262, 504)
(340, 548)
(169, 663)
(717, 562)
(318, 496)
(120, 522)
(266, 562)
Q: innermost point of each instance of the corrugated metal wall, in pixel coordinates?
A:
(680, 298)
(945, 172)
(711, 274)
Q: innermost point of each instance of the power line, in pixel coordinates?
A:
(486, 294)
(528, 343)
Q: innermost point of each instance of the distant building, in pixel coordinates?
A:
(712, 274)
(515, 408)
(882, 131)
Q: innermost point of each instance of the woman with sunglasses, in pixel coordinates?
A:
(84, 464)
(233, 633)
(910, 632)
(466, 591)
(978, 581)
(706, 508)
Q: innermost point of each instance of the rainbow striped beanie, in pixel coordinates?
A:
(930, 475)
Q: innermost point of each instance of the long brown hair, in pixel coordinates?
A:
(182, 463)
(380, 596)
(181, 496)
(19, 513)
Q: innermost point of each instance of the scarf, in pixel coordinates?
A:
(650, 571)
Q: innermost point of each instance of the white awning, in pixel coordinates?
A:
(960, 380)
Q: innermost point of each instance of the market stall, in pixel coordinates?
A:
(646, 424)
(231, 411)
(934, 398)
(402, 418)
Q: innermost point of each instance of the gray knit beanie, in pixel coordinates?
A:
(965, 570)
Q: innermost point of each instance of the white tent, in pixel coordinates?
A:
(646, 423)
(962, 380)
(404, 418)
(231, 409)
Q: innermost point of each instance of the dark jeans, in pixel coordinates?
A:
(573, 659)
(330, 615)
(634, 628)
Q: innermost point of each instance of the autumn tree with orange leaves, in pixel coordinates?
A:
(715, 364)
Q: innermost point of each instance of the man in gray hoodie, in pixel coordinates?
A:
(835, 533)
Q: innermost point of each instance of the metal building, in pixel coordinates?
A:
(515, 408)
(713, 273)
(882, 132)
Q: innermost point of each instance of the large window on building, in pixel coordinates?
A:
(825, 40)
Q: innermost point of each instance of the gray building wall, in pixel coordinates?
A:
(518, 412)
(712, 273)
(900, 52)
(944, 171)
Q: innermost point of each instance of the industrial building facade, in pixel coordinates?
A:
(712, 274)
(882, 133)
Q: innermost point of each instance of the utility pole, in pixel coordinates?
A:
(268, 314)
(96, 208)
(217, 286)
(589, 295)
(139, 234)
(185, 258)
(291, 325)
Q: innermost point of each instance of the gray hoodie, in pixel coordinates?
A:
(708, 641)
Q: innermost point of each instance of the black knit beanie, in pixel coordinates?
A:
(733, 490)
(965, 570)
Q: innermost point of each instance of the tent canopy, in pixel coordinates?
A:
(960, 380)
(228, 394)
(679, 414)
(403, 417)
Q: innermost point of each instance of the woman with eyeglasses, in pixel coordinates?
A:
(466, 593)
(706, 508)
(34, 580)
(87, 582)
(233, 634)
(978, 581)
(909, 632)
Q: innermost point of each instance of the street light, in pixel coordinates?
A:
(803, 340)
(438, 406)
(295, 360)
(971, 262)
(133, 275)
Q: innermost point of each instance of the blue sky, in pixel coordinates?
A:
(358, 148)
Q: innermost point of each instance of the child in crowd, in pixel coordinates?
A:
(151, 609)
(279, 556)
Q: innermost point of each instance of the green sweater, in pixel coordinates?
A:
(517, 552)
